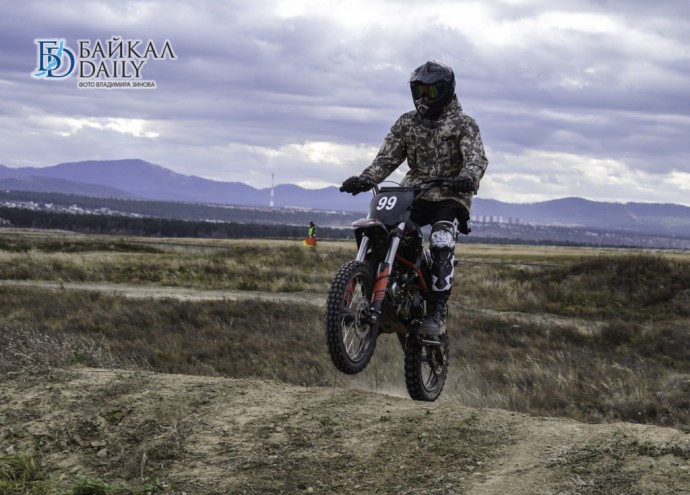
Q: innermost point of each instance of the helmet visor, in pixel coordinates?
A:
(429, 90)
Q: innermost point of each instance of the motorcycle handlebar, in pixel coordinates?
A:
(425, 185)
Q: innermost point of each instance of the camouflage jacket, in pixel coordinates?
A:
(449, 146)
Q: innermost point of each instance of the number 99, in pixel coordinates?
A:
(387, 203)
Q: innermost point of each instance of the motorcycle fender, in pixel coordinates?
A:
(370, 227)
(369, 223)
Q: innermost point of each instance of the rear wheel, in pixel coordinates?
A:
(350, 335)
(426, 366)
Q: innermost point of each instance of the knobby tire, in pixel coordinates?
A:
(426, 367)
(350, 339)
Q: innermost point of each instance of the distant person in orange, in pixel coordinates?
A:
(311, 236)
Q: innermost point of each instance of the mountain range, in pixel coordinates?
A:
(138, 179)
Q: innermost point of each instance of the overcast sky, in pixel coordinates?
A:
(586, 98)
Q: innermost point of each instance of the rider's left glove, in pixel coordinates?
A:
(464, 185)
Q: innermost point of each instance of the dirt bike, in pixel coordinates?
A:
(383, 291)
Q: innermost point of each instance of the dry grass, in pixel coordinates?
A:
(245, 266)
(634, 367)
(33, 351)
(559, 371)
(241, 339)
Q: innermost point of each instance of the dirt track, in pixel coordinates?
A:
(207, 435)
(201, 435)
(160, 292)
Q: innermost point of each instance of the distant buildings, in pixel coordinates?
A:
(57, 208)
(495, 219)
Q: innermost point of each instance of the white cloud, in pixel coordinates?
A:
(539, 176)
(133, 127)
(333, 154)
(69, 126)
(679, 181)
(353, 14)
(311, 164)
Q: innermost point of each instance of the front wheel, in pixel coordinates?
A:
(350, 334)
(426, 366)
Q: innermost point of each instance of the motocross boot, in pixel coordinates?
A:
(434, 322)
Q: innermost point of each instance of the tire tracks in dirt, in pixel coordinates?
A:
(168, 292)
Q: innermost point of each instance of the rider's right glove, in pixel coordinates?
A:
(356, 184)
(464, 185)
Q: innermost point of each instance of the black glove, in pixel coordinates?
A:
(464, 185)
(356, 185)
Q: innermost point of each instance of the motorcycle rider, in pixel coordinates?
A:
(439, 141)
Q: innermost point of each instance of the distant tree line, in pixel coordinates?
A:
(166, 227)
(188, 210)
(280, 228)
(157, 227)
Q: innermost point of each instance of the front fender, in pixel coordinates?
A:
(372, 228)
(370, 223)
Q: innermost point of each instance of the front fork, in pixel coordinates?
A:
(384, 271)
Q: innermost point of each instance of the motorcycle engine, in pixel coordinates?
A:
(412, 308)
(417, 307)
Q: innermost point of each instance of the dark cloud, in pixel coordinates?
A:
(593, 79)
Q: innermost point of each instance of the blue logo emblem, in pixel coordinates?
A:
(54, 59)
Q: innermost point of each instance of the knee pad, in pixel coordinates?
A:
(443, 235)
(442, 247)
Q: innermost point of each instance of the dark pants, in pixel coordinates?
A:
(429, 212)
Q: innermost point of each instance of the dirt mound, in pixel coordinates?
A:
(202, 435)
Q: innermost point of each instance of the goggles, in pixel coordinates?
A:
(429, 90)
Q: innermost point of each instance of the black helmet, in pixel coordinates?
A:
(433, 87)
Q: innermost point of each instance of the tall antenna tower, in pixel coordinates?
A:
(270, 203)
